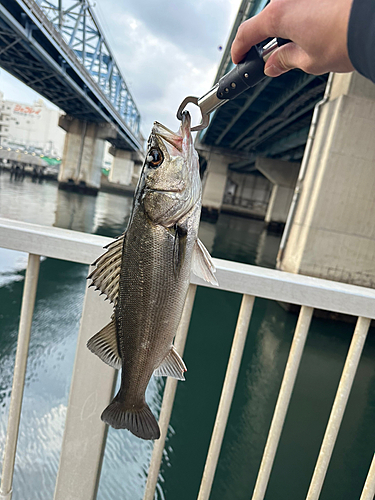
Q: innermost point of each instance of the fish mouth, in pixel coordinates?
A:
(163, 133)
(175, 139)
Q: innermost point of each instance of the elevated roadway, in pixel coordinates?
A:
(263, 132)
(271, 119)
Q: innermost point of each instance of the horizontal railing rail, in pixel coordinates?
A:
(79, 472)
(232, 276)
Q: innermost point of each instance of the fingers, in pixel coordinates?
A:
(253, 31)
(315, 51)
(285, 58)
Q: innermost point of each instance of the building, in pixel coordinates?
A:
(31, 127)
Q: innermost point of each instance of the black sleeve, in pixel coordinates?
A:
(361, 37)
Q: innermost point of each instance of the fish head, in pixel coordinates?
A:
(171, 184)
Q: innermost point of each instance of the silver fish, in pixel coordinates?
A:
(146, 274)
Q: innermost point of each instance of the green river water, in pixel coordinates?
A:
(56, 320)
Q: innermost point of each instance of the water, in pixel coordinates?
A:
(59, 301)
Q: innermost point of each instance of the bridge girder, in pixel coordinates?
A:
(60, 51)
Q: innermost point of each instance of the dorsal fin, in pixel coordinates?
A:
(106, 276)
(104, 345)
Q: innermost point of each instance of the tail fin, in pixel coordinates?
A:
(141, 422)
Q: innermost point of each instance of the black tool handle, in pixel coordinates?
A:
(283, 41)
(246, 74)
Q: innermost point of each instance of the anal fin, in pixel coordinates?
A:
(104, 345)
(171, 366)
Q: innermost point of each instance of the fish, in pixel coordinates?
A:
(145, 273)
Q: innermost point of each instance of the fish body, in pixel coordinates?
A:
(146, 273)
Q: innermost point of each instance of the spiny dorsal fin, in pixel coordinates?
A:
(171, 366)
(202, 265)
(106, 276)
(104, 345)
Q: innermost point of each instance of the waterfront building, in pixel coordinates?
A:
(32, 127)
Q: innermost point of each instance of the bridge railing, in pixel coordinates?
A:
(81, 455)
(74, 26)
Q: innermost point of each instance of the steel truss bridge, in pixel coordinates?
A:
(58, 49)
(271, 119)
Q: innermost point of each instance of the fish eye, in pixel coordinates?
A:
(155, 157)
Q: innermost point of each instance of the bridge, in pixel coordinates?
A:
(270, 120)
(59, 50)
(298, 152)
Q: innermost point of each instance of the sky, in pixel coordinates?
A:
(166, 50)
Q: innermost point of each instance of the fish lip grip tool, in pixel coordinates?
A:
(246, 74)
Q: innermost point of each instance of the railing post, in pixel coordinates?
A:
(368, 492)
(227, 393)
(27, 309)
(283, 400)
(91, 391)
(168, 398)
(338, 408)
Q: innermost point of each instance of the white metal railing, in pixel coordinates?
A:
(81, 455)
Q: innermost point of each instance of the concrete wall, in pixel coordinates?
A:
(333, 231)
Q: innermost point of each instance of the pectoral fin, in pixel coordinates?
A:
(171, 366)
(104, 345)
(202, 265)
(179, 248)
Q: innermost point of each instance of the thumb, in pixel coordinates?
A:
(285, 58)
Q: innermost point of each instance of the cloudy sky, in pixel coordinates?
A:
(166, 50)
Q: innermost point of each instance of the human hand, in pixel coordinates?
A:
(317, 28)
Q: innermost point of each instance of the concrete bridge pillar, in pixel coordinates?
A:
(216, 176)
(122, 167)
(83, 154)
(214, 182)
(332, 233)
(283, 175)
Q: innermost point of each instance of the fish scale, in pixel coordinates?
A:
(151, 276)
